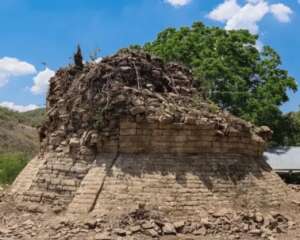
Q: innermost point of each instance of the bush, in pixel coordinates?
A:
(11, 164)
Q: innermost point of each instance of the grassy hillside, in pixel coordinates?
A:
(30, 118)
(18, 141)
(18, 133)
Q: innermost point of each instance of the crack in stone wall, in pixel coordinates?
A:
(103, 182)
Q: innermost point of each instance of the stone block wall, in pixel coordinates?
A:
(180, 169)
(180, 138)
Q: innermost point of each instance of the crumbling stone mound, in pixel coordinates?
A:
(133, 130)
(130, 84)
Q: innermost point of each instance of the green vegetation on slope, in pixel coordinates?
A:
(11, 164)
(18, 141)
(231, 71)
(31, 118)
(34, 118)
(18, 131)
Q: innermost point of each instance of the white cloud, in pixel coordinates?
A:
(99, 59)
(13, 67)
(254, 1)
(41, 81)
(3, 79)
(225, 11)
(18, 108)
(178, 3)
(281, 12)
(248, 15)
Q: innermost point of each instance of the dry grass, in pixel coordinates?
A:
(18, 141)
(18, 131)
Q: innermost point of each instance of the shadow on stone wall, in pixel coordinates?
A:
(210, 169)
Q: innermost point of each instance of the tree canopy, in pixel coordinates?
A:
(230, 70)
(290, 129)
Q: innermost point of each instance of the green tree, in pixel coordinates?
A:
(290, 129)
(229, 68)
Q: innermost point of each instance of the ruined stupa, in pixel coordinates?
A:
(132, 130)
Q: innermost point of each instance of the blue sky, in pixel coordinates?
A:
(35, 31)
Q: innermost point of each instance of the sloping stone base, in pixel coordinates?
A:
(180, 186)
(25, 179)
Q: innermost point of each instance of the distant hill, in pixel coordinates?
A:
(18, 131)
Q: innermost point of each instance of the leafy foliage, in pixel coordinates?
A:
(289, 129)
(11, 165)
(230, 70)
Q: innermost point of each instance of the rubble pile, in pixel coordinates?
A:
(144, 224)
(223, 221)
(294, 187)
(131, 84)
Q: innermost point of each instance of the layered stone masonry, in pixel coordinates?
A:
(184, 139)
(183, 186)
(182, 169)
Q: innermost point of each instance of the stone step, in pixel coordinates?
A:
(24, 180)
(88, 191)
(91, 186)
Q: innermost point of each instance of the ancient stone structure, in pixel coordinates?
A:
(132, 131)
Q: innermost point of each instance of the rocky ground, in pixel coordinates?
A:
(36, 223)
(296, 188)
